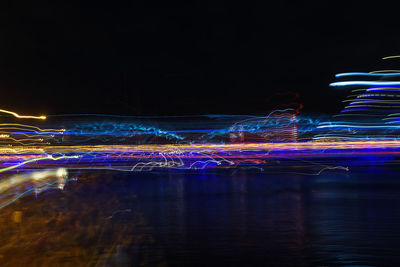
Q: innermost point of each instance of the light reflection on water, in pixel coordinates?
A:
(215, 217)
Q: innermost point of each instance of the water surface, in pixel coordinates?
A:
(211, 217)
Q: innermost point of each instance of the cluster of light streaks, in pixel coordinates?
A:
(296, 157)
(20, 145)
(23, 134)
(370, 112)
(195, 156)
(279, 125)
(248, 142)
(367, 128)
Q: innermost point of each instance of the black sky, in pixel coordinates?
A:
(147, 58)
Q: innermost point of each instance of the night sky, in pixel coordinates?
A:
(224, 57)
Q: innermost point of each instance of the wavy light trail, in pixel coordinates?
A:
(22, 116)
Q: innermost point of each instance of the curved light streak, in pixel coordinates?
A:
(390, 57)
(22, 116)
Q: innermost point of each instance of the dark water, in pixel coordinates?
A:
(201, 218)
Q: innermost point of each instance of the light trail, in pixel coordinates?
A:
(391, 57)
(368, 74)
(22, 116)
(49, 157)
(367, 83)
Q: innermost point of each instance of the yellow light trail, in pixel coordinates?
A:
(22, 116)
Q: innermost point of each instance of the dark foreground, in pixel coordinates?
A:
(198, 218)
